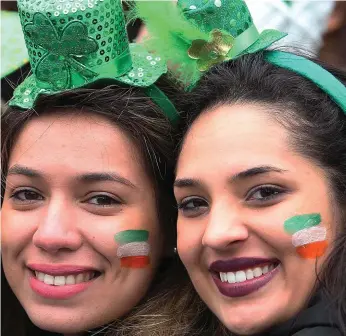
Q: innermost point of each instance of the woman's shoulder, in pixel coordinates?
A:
(319, 331)
(318, 319)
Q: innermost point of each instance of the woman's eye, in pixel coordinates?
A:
(26, 196)
(193, 207)
(103, 201)
(265, 194)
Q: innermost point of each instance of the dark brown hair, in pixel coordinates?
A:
(310, 116)
(138, 117)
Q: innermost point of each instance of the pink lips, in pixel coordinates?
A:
(58, 292)
(247, 287)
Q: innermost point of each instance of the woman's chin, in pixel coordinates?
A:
(72, 325)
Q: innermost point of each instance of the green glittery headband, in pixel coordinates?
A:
(194, 35)
(74, 43)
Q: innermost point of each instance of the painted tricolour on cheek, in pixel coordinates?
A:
(308, 236)
(133, 249)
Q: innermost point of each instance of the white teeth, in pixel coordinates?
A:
(231, 277)
(88, 276)
(249, 274)
(265, 269)
(80, 278)
(39, 276)
(62, 280)
(70, 280)
(59, 281)
(257, 272)
(240, 276)
(48, 279)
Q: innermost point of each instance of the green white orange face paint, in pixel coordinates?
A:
(308, 236)
(133, 249)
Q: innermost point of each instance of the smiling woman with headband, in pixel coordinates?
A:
(87, 205)
(260, 178)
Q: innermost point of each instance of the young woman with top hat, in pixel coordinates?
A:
(87, 208)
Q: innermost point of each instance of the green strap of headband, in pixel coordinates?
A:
(312, 71)
(161, 100)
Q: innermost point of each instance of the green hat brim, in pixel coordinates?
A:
(145, 71)
(266, 38)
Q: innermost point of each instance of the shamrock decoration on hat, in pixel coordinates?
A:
(197, 34)
(73, 43)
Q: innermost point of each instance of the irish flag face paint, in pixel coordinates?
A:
(308, 236)
(133, 248)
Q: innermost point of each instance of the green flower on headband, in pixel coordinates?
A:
(63, 50)
(210, 53)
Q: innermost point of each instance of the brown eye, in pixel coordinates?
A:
(103, 201)
(193, 207)
(263, 194)
(26, 196)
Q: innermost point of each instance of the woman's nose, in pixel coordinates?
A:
(224, 227)
(57, 228)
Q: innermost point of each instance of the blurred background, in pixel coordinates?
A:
(318, 26)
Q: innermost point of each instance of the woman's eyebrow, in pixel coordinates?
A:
(26, 171)
(87, 177)
(248, 173)
(106, 176)
(187, 183)
(251, 172)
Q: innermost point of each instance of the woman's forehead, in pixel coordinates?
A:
(236, 131)
(76, 143)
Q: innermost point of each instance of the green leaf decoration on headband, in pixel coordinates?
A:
(63, 50)
(194, 35)
(210, 53)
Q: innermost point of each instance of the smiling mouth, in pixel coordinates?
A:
(246, 274)
(68, 279)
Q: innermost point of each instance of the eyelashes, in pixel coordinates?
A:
(30, 196)
(103, 200)
(260, 196)
(193, 206)
(26, 196)
(264, 194)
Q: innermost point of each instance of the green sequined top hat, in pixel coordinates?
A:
(205, 33)
(72, 43)
(13, 50)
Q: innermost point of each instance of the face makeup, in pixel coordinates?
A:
(133, 248)
(308, 236)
